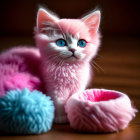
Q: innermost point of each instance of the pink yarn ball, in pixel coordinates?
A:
(99, 110)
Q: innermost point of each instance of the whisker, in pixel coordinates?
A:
(52, 55)
(98, 66)
(55, 58)
(95, 67)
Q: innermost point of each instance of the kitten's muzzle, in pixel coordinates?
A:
(72, 50)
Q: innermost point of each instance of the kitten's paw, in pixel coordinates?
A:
(61, 119)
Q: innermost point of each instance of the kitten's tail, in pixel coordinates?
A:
(18, 81)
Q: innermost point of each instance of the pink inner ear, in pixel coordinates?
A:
(43, 17)
(98, 95)
(93, 22)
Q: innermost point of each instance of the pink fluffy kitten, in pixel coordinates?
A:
(61, 66)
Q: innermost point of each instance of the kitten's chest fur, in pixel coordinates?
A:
(65, 80)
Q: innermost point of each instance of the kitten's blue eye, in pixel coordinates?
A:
(61, 42)
(82, 43)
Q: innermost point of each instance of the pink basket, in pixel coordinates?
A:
(99, 110)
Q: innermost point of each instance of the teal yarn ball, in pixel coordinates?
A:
(26, 112)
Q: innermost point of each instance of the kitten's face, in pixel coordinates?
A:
(67, 40)
(68, 47)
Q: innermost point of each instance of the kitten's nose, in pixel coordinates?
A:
(72, 50)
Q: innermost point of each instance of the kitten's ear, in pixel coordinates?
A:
(44, 16)
(92, 20)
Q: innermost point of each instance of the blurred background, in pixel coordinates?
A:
(118, 64)
(119, 17)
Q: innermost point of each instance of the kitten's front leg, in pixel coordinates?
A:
(60, 114)
(59, 102)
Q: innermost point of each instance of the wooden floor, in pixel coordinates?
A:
(117, 67)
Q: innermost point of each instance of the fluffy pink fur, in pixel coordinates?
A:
(63, 78)
(24, 67)
(19, 69)
(99, 110)
(60, 73)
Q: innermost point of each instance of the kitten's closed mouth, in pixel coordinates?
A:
(72, 57)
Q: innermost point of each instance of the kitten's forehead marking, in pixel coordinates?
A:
(70, 38)
(77, 35)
